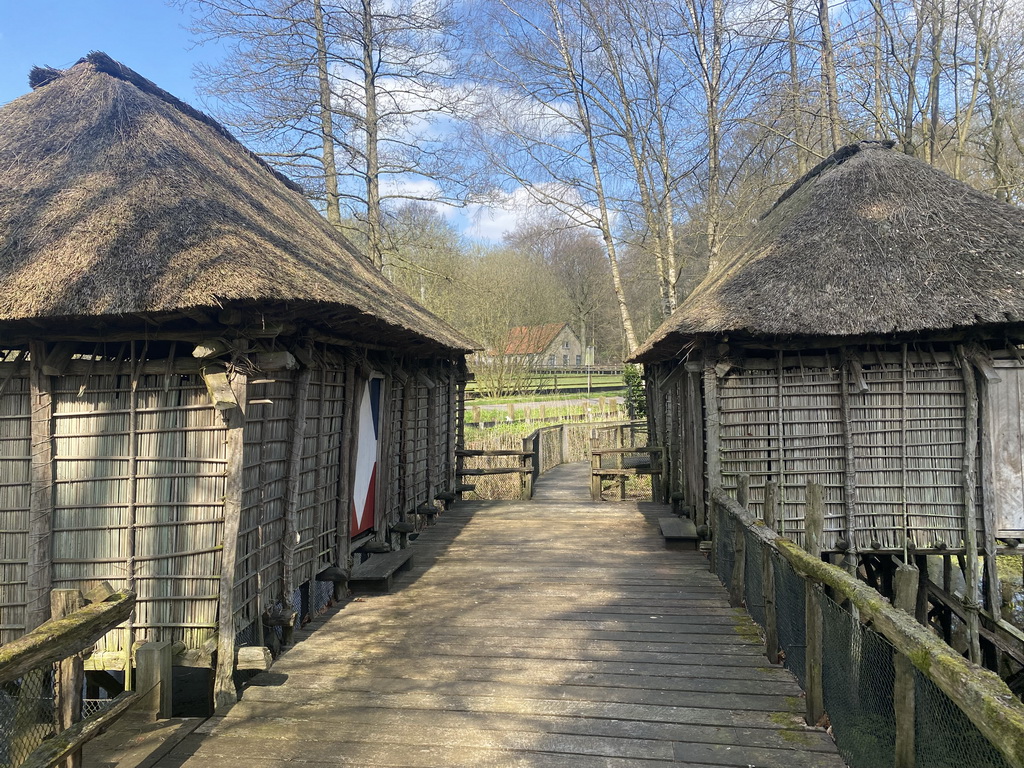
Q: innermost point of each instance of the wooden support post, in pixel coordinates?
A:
(565, 444)
(712, 441)
(849, 461)
(39, 548)
(349, 448)
(292, 484)
(153, 678)
(40, 517)
(771, 622)
(527, 486)
(989, 419)
(905, 586)
(511, 408)
(921, 599)
(739, 548)
(814, 524)
(968, 474)
(70, 672)
(476, 414)
(224, 684)
(595, 479)
(620, 480)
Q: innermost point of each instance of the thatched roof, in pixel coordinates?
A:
(872, 242)
(531, 339)
(116, 198)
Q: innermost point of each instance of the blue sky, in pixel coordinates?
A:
(147, 35)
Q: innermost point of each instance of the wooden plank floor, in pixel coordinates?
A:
(551, 634)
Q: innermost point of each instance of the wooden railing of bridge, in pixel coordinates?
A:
(893, 692)
(42, 676)
(549, 446)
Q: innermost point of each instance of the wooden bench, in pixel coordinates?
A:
(678, 529)
(375, 574)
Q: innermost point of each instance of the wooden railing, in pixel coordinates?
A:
(751, 558)
(49, 658)
(543, 449)
(619, 464)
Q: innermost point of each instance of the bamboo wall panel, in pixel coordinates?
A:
(140, 480)
(318, 516)
(15, 465)
(751, 441)
(783, 420)
(908, 442)
(268, 436)
(420, 427)
(138, 498)
(812, 448)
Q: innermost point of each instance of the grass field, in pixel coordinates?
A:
(553, 385)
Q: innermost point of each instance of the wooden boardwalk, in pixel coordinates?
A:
(556, 633)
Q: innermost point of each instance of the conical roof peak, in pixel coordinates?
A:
(872, 242)
(117, 198)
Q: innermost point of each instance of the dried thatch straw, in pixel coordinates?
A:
(117, 198)
(871, 242)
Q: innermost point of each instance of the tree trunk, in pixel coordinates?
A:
(795, 90)
(326, 117)
(938, 11)
(373, 231)
(714, 127)
(828, 74)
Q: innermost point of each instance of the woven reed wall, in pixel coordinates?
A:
(140, 466)
(782, 419)
(15, 467)
(259, 568)
(139, 484)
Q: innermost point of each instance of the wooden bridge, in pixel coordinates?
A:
(558, 632)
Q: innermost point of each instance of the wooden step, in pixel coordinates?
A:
(376, 573)
(678, 529)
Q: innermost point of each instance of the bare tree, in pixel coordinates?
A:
(342, 94)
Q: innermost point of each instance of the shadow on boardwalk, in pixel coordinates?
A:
(553, 633)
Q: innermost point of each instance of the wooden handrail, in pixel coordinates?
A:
(57, 639)
(979, 693)
(644, 449)
(491, 452)
(55, 751)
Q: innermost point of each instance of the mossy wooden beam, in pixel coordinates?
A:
(979, 693)
(218, 385)
(42, 472)
(59, 638)
(55, 750)
(224, 686)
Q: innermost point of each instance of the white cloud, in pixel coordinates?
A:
(491, 222)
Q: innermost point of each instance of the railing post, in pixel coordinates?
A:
(153, 680)
(771, 622)
(70, 672)
(527, 477)
(565, 443)
(905, 582)
(739, 541)
(814, 525)
(595, 479)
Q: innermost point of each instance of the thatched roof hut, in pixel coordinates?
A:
(866, 337)
(871, 242)
(208, 396)
(119, 199)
